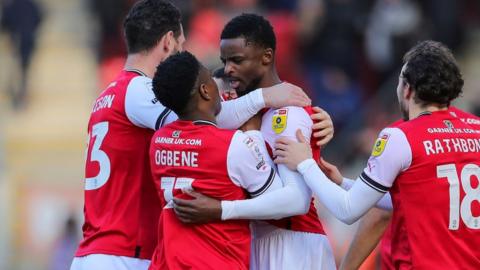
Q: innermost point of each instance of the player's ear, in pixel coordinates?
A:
(168, 41)
(407, 91)
(267, 57)
(204, 92)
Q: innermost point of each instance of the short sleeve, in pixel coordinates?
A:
(141, 106)
(248, 166)
(390, 156)
(285, 122)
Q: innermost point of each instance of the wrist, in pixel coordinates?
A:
(227, 209)
(259, 98)
(303, 166)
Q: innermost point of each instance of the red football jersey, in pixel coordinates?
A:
(219, 164)
(284, 123)
(121, 205)
(402, 248)
(439, 194)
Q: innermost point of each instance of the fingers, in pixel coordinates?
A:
(299, 97)
(325, 140)
(280, 160)
(301, 100)
(322, 133)
(300, 136)
(317, 109)
(193, 193)
(185, 218)
(283, 140)
(320, 114)
(325, 164)
(183, 203)
(279, 153)
(323, 167)
(321, 125)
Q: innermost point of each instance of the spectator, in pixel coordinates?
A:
(21, 19)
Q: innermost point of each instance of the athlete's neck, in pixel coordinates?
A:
(417, 110)
(198, 116)
(144, 62)
(270, 79)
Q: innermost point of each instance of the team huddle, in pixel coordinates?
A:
(179, 178)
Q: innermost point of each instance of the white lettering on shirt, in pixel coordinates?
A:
(103, 102)
(455, 145)
(176, 158)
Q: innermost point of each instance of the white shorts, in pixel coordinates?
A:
(280, 249)
(104, 262)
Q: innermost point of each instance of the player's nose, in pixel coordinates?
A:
(228, 70)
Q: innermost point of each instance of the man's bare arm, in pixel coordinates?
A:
(369, 232)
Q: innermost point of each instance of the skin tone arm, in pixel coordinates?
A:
(291, 96)
(369, 232)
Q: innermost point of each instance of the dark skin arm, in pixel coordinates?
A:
(369, 232)
(201, 209)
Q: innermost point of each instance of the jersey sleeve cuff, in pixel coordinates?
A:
(227, 209)
(257, 99)
(305, 165)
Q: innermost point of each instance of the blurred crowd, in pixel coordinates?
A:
(345, 53)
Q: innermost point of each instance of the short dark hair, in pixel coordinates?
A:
(254, 28)
(433, 73)
(148, 21)
(175, 80)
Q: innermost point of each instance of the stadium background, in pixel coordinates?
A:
(345, 53)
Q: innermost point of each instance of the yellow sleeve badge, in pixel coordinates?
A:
(279, 121)
(380, 145)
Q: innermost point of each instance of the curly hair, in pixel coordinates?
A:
(433, 73)
(175, 80)
(148, 21)
(254, 28)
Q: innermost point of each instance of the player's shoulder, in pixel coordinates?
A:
(219, 136)
(139, 83)
(466, 117)
(290, 113)
(285, 121)
(243, 143)
(392, 138)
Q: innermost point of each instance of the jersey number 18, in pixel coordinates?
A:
(462, 207)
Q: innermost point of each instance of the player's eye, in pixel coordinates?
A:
(237, 60)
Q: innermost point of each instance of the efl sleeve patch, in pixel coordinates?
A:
(380, 144)
(279, 121)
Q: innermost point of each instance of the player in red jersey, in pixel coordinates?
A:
(430, 164)
(377, 226)
(181, 158)
(121, 206)
(294, 242)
